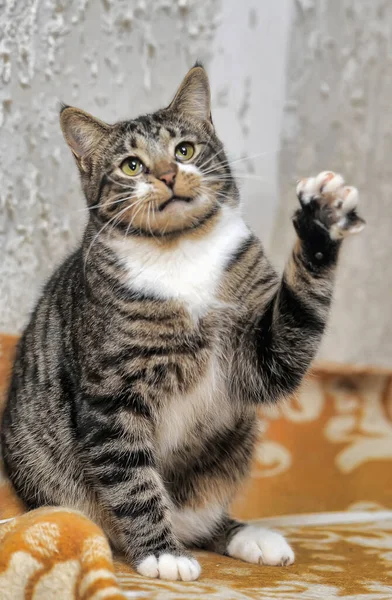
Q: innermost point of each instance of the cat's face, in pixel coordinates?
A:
(160, 175)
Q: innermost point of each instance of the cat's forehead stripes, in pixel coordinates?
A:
(156, 141)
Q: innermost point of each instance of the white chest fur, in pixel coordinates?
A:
(207, 402)
(189, 272)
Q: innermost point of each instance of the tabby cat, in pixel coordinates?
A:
(136, 383)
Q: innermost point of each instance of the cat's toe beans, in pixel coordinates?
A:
(350, 198)
(306, 189)
(329, 182)
(326, 182)
(169, 567)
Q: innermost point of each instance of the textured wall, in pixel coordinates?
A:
(338, 116)
(117, 59)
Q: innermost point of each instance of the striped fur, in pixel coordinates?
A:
(136, 382)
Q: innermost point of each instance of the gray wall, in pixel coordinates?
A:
(338, 116)
(117, 59)
(312, 77)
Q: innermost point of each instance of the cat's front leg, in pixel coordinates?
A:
(121, 462)
(273, 351)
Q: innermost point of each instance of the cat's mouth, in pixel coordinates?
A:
(174, 199)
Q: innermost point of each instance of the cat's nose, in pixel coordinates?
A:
(168, 178)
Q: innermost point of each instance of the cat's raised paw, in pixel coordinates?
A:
(331, 204)
(170, 567)
(260, 546)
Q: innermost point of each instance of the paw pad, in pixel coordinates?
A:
(332, 203)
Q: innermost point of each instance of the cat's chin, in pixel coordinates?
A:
(179, 213)
(175, 203)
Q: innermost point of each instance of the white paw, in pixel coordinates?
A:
(254, 544)
(334, 204)
(169, 566)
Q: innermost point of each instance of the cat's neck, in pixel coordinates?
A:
(189, 270)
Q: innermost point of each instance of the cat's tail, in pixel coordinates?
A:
(55, 553)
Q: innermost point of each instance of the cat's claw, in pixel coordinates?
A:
(170, 567)
(332, 203)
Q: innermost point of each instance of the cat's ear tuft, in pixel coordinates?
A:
(193, 97)
(82, 132)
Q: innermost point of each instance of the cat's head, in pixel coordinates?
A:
(160, 175)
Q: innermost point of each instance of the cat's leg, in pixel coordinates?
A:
(273, 349)
(250, 543)
(120, 460)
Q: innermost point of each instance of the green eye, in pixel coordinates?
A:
(185, 151)
(132, 166)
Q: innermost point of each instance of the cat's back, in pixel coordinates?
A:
(40, 352)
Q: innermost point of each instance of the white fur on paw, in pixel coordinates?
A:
(326, 182)
(169, 566)
(254, 544)
(328, 189)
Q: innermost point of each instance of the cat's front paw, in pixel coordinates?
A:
(170, 567)
(330, 203)
(254, 544)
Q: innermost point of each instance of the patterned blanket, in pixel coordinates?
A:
(324, 467)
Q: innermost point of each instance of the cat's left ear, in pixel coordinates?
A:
(193, 97)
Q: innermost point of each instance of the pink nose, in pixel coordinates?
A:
(168, 178)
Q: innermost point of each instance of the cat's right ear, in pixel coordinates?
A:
(82, 132)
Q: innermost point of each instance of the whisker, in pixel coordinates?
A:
(108, 204)
(99, 233)
(208, 161)
(119, 183)
(140, 205)
(229, 162)
(235, 176)
(204, 149)
(152, 216)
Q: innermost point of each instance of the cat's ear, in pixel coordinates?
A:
(193, 97)
(82, 132)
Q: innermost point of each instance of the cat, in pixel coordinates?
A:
(136, 383)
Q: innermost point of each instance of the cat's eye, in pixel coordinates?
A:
(132, 166)
(185, 151)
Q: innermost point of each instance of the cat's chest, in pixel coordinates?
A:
(188, 272)
(184, 421)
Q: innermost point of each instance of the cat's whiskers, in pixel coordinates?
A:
(229, 162)
(217, 193)
(205, 148)
(119, 183)
(100, 232)
(208, 161)
(121, 198)
(235, 176)
(149, 224)
(138, 205)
